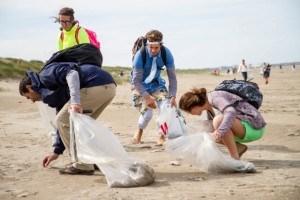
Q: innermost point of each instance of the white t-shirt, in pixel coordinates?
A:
(242, 68)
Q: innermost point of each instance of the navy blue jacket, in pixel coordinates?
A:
(52, 85)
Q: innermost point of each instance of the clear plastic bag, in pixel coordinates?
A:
(200, 150)
(194, 146)
(171, 122)
(48, 115)
(96, 144)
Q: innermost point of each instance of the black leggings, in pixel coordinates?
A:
(245, 75)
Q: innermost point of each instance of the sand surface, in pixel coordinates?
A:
(24, 142)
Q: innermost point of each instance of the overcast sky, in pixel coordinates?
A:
(205, 33)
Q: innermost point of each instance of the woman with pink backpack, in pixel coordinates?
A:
(72, 33)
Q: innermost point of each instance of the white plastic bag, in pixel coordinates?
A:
(48, 115)
(170, 120)
(96, 144)
(200, 150)
(196, 147)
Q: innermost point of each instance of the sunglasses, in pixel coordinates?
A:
(65, 21)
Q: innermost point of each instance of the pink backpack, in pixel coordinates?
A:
(91, 34)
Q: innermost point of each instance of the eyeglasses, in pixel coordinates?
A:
(65, 21)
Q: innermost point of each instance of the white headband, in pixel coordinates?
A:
(153, 42)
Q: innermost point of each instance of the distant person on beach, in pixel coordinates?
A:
(228, 71)
(216, 72)
(266, 73)
(234, 70)
(235, 125)
(243, 69)
(293, 67)
(148, 86)
(71, 33)
(261, 69)
(61, 86)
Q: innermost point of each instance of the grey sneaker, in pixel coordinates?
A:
(70, 170)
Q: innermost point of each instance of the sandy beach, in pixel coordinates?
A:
(24, 142)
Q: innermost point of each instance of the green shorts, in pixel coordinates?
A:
(251, 134)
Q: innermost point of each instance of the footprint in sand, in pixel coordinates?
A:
(23, 193)
(136, 147)
(294, 134)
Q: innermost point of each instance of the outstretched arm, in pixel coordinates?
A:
(172, 85)
(137, 79)
(49, 158)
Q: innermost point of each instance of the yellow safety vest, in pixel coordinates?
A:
(68, 39)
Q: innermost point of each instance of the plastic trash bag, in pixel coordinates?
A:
(96, 144)
(200, 126)
(48, 115)
(170, 121)
(198, 148)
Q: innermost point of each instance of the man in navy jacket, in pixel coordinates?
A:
(67, 86)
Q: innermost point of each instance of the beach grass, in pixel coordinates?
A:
(15, 68)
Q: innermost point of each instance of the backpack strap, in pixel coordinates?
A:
(234, 104)
(143, 52)
(62, 36)
(76, 34)
(163, 54)
(210, 114)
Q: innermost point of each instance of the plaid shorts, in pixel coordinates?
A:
(137, 99)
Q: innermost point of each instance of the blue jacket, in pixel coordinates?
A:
(51, 84)
(158, 82)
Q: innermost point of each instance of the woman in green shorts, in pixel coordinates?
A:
(235, 125)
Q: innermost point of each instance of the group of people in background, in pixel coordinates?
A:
(67, 86)
(265, 71)
(244, 69)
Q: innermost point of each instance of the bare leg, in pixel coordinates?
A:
(228, 140)
(137, 138)
(241, 148)
(143, 121)
(161, 140)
